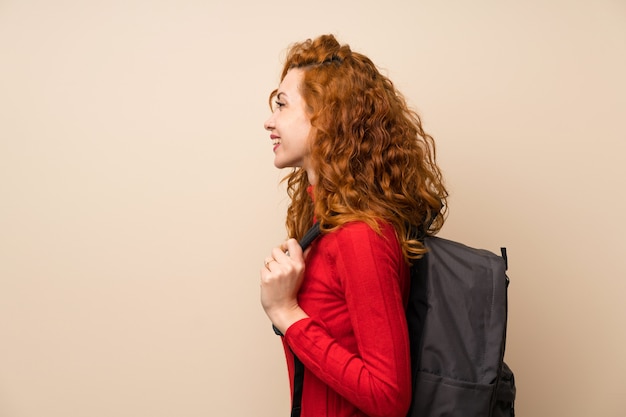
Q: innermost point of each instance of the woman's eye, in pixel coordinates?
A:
(279, 104)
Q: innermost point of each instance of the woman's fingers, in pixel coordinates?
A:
(289, 250)
(281, 275)
(268, 261)
(281, 278)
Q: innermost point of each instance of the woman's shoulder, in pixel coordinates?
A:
(359, 230)
(357, 242)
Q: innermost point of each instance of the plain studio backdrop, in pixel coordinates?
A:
(139, 198)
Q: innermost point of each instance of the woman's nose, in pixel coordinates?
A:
(269, 123)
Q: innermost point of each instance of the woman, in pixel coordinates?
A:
(365, 170)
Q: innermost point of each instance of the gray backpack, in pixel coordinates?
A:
(456, 316)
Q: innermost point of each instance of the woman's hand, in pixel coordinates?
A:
(281, 278)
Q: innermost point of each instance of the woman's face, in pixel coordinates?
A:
(290, 125)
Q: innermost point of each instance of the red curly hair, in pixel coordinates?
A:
(372, 157)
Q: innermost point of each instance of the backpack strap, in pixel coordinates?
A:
(310, 236)
(305, 242)
(506, 259)
(506, 264)
(298, 383)
(298, 375)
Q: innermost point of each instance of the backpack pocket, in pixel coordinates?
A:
(505, 395)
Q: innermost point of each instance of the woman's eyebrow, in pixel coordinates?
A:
(282, 93)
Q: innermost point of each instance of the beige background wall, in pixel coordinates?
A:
(138, 196)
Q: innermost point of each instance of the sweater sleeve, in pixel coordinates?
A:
(374, 375)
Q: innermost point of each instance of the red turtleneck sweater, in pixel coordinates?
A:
(355, 345)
